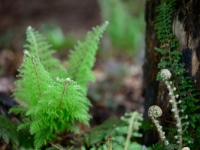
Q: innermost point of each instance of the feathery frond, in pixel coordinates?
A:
(51, 104)
(116, 130)
(82, 58)
(38, 46)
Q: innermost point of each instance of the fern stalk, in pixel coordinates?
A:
(130, 129)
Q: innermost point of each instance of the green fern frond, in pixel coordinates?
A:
(38, 46)
(158, 146)
(39, 142)
(98, 134)
(164, 19)
(8, 131)
(18, 110)
(25, 125)
(172, 147)
(35, 81)
(161, 51)
(117, 130)
(83, 56)
(50, 104)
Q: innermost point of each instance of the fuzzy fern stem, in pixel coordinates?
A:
(37, 76)
(63, 92)
(35, 69)
(155, 112)
(166, 75)
(186, 148)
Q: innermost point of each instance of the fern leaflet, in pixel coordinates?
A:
(84, 53)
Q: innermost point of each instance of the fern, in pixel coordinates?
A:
(171, 60)
(116, 133)
(99, 133)
(38, 46)
(52, 105)
(48, 102)
(157, 146)
(8, 131)
(84, 53)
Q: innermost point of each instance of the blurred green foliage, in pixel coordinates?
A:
(6, 38)
(55, 36)
(8, 131)
(119, 134)
(127, 24)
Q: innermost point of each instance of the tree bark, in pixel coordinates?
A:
(186, 28)
(150, 66)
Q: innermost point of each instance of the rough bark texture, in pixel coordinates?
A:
(186, 27)
(150, 65)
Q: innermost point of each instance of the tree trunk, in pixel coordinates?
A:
(186, 28)
(150, 66)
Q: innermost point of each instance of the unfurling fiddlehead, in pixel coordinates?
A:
(155, 112)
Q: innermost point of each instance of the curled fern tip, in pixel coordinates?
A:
(165, 74)
(67, 80)
(26, 53)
